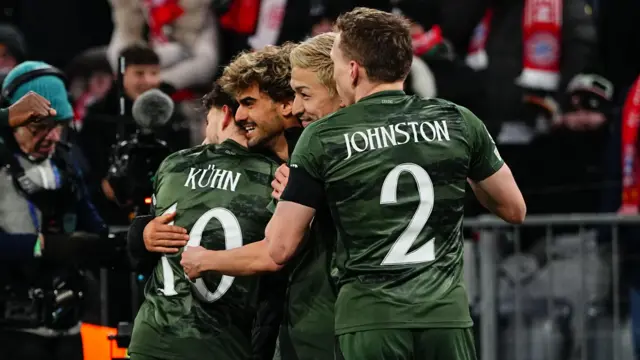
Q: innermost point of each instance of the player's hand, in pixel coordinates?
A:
(163, 238)
(280, 182)
(192, 261)
(30, 107)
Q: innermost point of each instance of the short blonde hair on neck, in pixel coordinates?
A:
(314, 55)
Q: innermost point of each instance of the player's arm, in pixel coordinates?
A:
(243, 261)
(287, 228)
(247, 260)
(299, 199)
(500, 194)
(490, 178)
(150, 236)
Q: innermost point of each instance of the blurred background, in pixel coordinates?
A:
(557, 90)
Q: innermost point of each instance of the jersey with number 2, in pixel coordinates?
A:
(394, 169)
(220, 195)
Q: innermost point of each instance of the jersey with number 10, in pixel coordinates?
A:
(220, 195)
(394, 168)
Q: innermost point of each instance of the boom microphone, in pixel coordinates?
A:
(152, 109)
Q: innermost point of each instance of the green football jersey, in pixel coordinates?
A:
(219, 194)
(394, 169)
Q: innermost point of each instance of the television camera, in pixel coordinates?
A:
(135, 160)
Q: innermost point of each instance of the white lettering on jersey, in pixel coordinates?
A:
(393, 135)
(212, 177)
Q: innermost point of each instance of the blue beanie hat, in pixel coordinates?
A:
(50, 87)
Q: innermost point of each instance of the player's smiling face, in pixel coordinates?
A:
(258, 115)
(313, 100)
(343, 73)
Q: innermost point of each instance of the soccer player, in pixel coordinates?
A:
(259, 81)
(392, 168)
(307, 329)
(219, 194)
(272, 128)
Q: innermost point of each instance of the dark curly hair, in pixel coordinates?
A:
(217, 98)
(268, 68)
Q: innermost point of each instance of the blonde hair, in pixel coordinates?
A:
(269, 68)
(314, 55)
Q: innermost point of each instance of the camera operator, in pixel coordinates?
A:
(48, 226)
(103, 124)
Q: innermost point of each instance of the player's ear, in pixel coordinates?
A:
(286, 108)
(354, 72)
(228, 118)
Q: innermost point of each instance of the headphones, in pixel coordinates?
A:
(10, 89)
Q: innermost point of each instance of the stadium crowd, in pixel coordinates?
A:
(555, 82)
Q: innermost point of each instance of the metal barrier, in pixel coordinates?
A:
(511, 305)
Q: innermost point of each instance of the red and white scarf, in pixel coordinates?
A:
(423, 41)
(242, 16)
(542, 27)
(630, 163)
(161, 13)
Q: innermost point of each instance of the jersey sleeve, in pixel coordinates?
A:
(307, 153)
(485, 158)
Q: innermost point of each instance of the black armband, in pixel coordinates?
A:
(140, 258)
(135, 235)
(303, 188)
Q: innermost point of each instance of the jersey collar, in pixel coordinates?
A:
(232, 145)
(383, 93)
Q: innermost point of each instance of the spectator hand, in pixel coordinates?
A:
(107, 190)
(583, 120)
(539, 107)
(30, 107)
(280, 182)
(192, 261)
(160, 237)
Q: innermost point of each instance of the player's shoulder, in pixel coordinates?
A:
(257, 157)
(180, 156)
(444, 110)
(258, 167)
(437, 105)
(326, 121)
